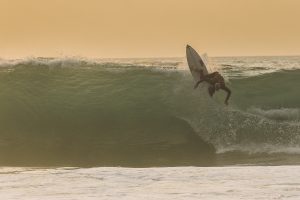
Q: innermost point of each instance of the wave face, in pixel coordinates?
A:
(144, 112)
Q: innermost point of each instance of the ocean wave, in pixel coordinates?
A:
(161, 63)
(90, 115)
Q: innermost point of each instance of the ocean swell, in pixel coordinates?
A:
(109, 114)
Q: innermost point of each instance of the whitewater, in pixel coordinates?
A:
(91, 124)
(256, 182)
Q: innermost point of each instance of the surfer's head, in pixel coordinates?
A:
(217, 86)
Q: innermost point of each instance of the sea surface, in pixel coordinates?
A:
(78, 128)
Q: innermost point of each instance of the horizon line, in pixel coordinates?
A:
(141, 57)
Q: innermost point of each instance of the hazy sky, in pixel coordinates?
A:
(148, 28)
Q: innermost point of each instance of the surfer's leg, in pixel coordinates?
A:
(228, 93)
(211, 90)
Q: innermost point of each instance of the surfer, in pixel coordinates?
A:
(216, 82)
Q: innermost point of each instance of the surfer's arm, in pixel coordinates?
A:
(226, 89)
(198, 82)
(208, 76)
(205, 78)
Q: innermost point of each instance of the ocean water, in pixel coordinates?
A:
(105, 115)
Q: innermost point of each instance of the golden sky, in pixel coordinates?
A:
(148, 28)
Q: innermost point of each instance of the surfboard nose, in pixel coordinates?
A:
(188, 46)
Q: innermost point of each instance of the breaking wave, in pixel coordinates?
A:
(77, 112)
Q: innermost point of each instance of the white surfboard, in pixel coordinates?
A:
(195, 63)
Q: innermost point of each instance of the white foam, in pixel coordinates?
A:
(239, 182)
(260, 148)
(278, 114)
(165, 63)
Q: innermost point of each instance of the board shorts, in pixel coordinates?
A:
(217, 79)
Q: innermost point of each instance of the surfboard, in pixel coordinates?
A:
(195, 63)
